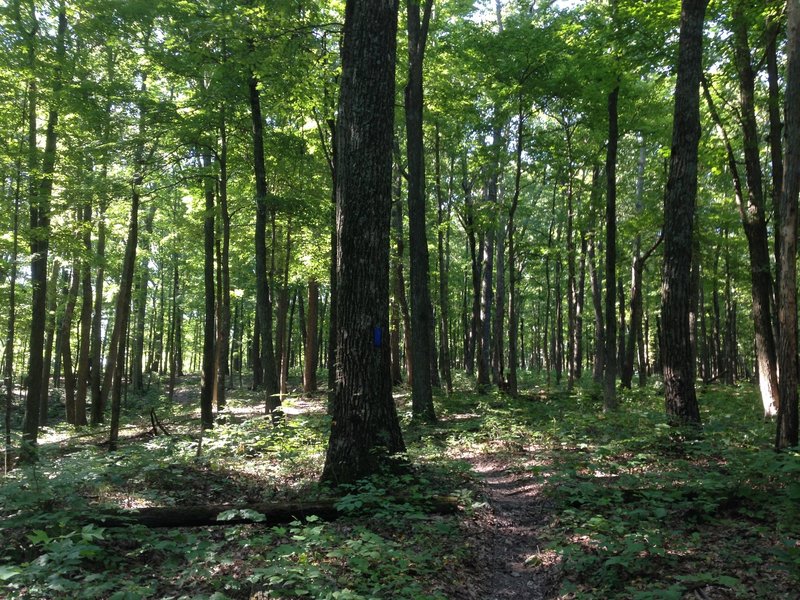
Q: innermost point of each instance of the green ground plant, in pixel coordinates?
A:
(635, 508)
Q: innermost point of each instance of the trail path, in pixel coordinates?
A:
(513, 560)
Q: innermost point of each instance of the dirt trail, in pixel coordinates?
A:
(513, 561)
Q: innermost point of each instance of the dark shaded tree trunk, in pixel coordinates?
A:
(610, 372)
(8, 361)
(116, 350)
(443, 244)
(208, 373)
(679, 208)
(422, 324)
(50, 334)
(487, 296)
(513, 275)
(311, 349)
(224, 325)
(365, 430)
(66, 344)
(41, 190)
(498, 318)
(263, 299)
(140, 302)
(754, 219)
(85, 319)
(787, 430)
(399, 285)
(595, 279)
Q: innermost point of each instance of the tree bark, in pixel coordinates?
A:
(140, 302)
(41, 192)
(365, 431)
(787, 430)
(443, 245)
(610, 373)
(263, 299)
(208, 374)
(754, 219)
(66, 345)
(421, 311)
(311, 349)
(114, 365)
(679, 208)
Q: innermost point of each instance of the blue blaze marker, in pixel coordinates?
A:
(377, 336)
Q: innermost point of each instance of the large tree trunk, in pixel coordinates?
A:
(787, 431)
(610, 376)
(421, 311)
(263, 299)
(755, 231)
(679, 208)
(365, 430)
(754, 219)
(775, 126)
(41, 189)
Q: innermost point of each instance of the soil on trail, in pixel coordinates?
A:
(511, 558)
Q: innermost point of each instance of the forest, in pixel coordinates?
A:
(425, 299)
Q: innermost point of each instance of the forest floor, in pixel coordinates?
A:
(557, 500)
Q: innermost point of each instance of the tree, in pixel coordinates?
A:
(41, 190)
(679, 208)
(365, 430)
(422, 324)
(787, 291)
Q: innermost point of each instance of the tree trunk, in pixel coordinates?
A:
(311, 349)
(679, 208)
(116, 350)
(224, 326)
(443, 244)
(85, 319)
(365, 430)
(140, 302)
(487, 272)
(513, 313)
(41, 190)
(66, 344)
(610, 373)
(207, 376)
(263, 300)
(775, 126)
(421, 311)
(8, 361)
(787, 430)
(753, 218)
(50, 330)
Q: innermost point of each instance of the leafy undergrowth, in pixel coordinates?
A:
(636, 509)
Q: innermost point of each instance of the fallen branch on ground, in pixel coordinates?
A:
(269, 513)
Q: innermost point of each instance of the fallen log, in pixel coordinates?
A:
(267, 513)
